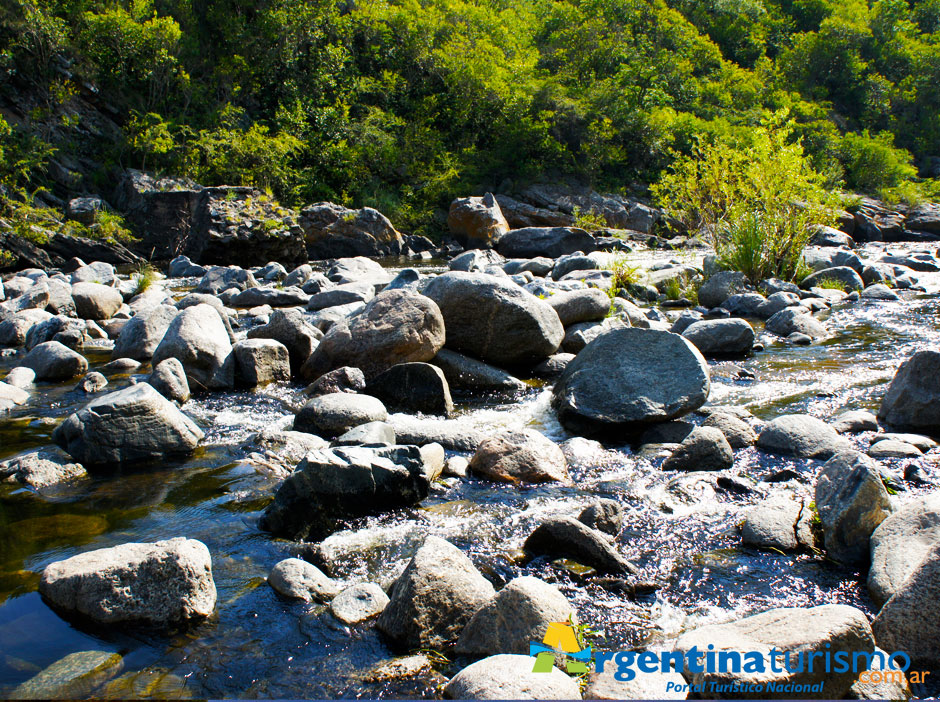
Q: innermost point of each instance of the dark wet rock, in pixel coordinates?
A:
(94, 301)
(913, 398)
(524, 456)
(802, 436)
(132, 424)
(517, 615)
(368, 434)
(795, 320)
(854, 422)
(510, 677)
(397, 326)
(197, 336)
(551, 242)
(721, 286)
(579, 335)
(290, 328)
(261, 361)
(852, 501)
(495, 320)
(218, 279)
(413, 387)
(721, 337)
(566, 537)
(77, 676)
(604, 515)
(674, 432)
(344, 379)
(332, 231)
(477, 222)
(553, 366)
(142, 334)
(40, 469)
(909, 620)
(334, 414)
(54, 361)
(359, 603)
(780, 522)
(92, 382)
(180, 267)
(276, 297)
(342, 482)
(705, 448)
(169, 379)
(662, 377)
(299, 580)
(744, 304)
(777, 302)
(902, 541)
(586, 305)
(738, 432)
(162, 584)
(434, 598)
(827, 258)
(843, 275)
(793, 629)
(452, 434)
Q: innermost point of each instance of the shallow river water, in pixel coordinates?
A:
(681, 530)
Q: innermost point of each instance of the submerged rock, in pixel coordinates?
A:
(434, 598)
(661, 378)
(566, 537)
(160, 584)
(76, 676)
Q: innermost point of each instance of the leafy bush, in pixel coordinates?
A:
(588, 219)
(872, 163)
(756, 201)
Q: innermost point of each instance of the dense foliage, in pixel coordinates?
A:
(403, 104)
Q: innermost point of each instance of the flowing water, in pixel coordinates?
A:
(681, 530)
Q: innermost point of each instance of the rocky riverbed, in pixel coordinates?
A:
(500, 421)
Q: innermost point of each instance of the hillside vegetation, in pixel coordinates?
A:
(403, 105)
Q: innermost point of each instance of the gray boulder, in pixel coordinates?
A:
(889, 448)
(297, 579)
(495, 320)
(40, 470)
(345, 294)
(604, 515)
(854, 422)
(510, 677)
(551, 242)
(142, 334)
(162, 584)
(92, 382)
(66, 330)
(566, 537)
(15, 327)
(913, 398)
(721, 337)
(477, 222)
(261, 361)
(290, 328)
(662, 377)
(345, 379)
(359, 603)
(795, 320)
(604, 685)
(705, 448)
(795, 630)
(852, 501)
(413, 387)
(737, 432)
(845, 276)
(348, 481)
(398, 326)
(434, 598)
(469, 374)
(523, 456)
(802, 436)
(198, 338)
(586, 305)
(95, 272)
(169, 379)
(54, 361)
(829, 236)
(132, 424)
(369, 434)
(275, 297)
(900, 543)
(218, 279)
(721, 286)
(878, 291)
(518, 615)
(780, 522)
(36, 296)
(334, 414)
(94, 301)
(476, 261)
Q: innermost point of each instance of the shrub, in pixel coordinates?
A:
(588, 219)
(756, 200)
(144, 278)
(873, 163)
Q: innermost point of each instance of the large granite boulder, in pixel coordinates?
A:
(551, 242)
(198, 338)
(523, 456)
(162, 584)
(142, 334)
(52, 360)
(477, 222)
(913, 398)
(334, 231)
(629, 377)
(495, 320)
